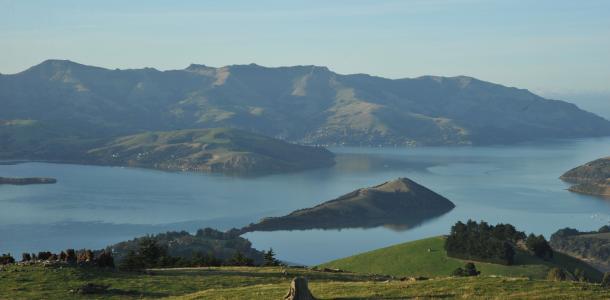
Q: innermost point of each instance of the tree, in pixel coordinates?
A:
(62, 256)
(269, 258)
(240, 260)
(556, 274)
(131, 261)
(539, 246)
(26, 257)
(6, 259)
(70, 256)
(105, 260)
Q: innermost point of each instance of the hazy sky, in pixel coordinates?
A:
(551, 47)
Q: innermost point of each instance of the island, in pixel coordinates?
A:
(222, 150)
(26, 181)
(400, 203)
(592, 178)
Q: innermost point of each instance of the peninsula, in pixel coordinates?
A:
(26, 181)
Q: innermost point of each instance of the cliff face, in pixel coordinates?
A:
(591, 178)
(400, 202)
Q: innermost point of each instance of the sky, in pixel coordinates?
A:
(553, 47)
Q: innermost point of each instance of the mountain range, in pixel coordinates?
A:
(60, 99)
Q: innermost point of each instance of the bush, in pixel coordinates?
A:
(26, 257)
(556, 274)
(468, 270)
(105, 260)
(44, 255)
(6, 259)
(71, 256)
(580, 275)
(240, 260)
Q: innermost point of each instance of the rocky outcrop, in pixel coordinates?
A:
(397, 202)
(26, 181)
(299, 290)
(592, 178)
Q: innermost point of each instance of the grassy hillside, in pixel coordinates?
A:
(33, 282)
(413, 259)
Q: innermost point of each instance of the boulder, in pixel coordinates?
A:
(299, 290)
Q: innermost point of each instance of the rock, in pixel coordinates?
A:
(299, 290)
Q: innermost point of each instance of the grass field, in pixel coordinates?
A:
(413, 259)
(36, 282)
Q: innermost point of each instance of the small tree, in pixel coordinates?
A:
(606, 280)
(580, 275)
(269, 258)
(62, 256)
(105, 260)
(240, 260)
(6, 259)
(539, 246)
(131, 261)
(26, 257)
(469, 270)
(71, 256)
(556, 274)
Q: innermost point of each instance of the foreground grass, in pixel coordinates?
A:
(414, 259)
(35, 282)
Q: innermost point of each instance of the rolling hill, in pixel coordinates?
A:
(303, 104)
(414, 259)
(210, 150)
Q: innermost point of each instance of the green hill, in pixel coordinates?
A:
(414, 259)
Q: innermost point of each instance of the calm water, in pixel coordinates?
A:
(94, 206)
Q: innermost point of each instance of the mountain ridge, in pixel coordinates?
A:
(303, 104)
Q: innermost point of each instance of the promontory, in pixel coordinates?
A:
(592, 178)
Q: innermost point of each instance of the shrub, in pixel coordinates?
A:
(240, 260)
(468, 270)
(606, 280)
(6, 259)
(44, 255)
(580, 275)
(26, 257)
(71, 256)
(556, 274)
(105, 260)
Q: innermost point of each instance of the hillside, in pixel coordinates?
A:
(304, 104)
(414, 259)
(210, 150)
(592, 178)
(207, 241)
(397, 202)
(273, 283)
(593, 247)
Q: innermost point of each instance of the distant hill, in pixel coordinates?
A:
(593, 247)
(304, 104)
(414, 259)
(210, 150)
(401, 202)
(207, 241)
(591, 178)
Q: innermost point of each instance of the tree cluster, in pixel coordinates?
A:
(103, 259)
(6, 259)
(539, 246)
(150, 254)
(483, 242)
